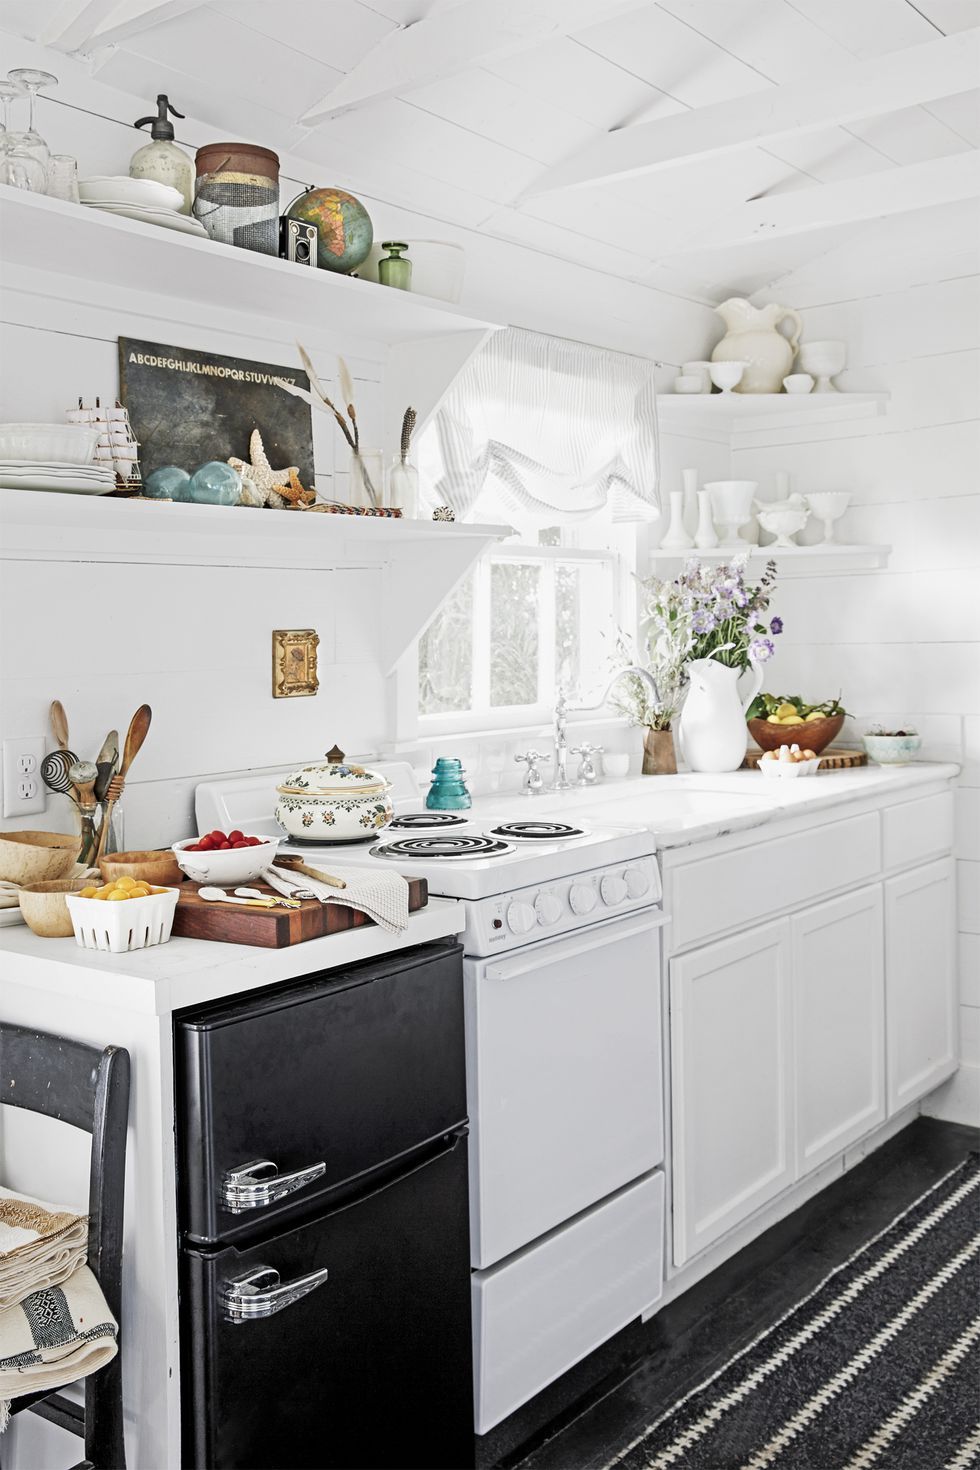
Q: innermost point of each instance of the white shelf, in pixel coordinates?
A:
(71, 243)
(423, 560)
(800, 561)
(731, 416)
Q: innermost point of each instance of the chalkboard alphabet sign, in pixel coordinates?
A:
(187, 407)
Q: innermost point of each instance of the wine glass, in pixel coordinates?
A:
(8, 90)
(18, 166)
(31, 142)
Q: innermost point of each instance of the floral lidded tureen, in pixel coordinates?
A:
(334, 801)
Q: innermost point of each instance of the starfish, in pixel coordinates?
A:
(263, 478)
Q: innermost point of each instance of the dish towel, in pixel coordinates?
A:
(382, 896)
(56, 1335)
(40, 1245)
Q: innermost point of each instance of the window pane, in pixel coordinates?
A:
(568, 628)
(446, 656)
(514, 592)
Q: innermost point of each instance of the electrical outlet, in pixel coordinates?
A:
(23, 789)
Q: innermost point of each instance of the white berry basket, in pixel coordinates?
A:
(789, 770)
(133, 923)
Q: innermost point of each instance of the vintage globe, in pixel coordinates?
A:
(344, 230)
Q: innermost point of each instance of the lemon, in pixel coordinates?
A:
(793, 720)
(773, 720)
(125, 883)
(120, 896)
(783, 710)
(88, 892)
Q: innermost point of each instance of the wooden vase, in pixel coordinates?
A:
(659, 758)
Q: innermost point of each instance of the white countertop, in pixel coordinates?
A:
(693, 807)
(186, 972)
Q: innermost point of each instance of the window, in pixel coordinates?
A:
(525, 620)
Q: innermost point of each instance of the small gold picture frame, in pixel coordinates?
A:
(294, 662)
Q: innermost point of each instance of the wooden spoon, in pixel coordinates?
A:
(297, 865)
(59, 724)
(138, 727)
(107, 760)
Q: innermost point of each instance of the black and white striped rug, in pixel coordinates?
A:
(878, 1369)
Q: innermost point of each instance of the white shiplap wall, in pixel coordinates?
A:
(902, 643)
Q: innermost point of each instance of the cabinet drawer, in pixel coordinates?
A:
(546, 1308)
(917, 830)
(736, 889)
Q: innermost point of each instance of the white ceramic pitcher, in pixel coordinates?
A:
(713, 730)
(752, 337)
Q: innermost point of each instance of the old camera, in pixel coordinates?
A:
(297, 241)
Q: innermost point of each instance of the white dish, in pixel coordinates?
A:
(228, 867)
(121, 189)
(67, 487)
(93, 471)
(71, 444)
(790, 769)
(170, 221)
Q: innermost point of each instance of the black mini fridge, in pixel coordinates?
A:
(325, 1285)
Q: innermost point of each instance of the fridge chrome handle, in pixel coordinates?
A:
(260, 1293)
(259, 1183)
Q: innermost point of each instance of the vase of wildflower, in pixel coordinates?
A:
(730, 637)
(659, 755)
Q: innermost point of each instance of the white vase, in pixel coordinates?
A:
(751, 337)
(714, 734)
(690, 481)
(705, 537)
(677, 538)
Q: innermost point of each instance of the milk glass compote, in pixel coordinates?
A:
(828, 506)
(30, 144)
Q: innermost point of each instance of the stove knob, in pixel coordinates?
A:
(637, 882)
(613, 890)
(582, 898)
(548, 907)
(521, 918)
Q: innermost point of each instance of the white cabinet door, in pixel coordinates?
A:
(732, 1092)
(920, 981)
(838, 1023)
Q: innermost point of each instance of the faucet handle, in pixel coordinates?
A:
(587, 773)
(533, 780)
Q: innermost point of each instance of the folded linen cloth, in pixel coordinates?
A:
(40, 1245)
(53, 1337)
(382, 896)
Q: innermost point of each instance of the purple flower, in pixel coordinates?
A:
(761, 650)
(776, 626)
(703, 621)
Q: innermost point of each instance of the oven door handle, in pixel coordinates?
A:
(534, 957)
(260, 1293)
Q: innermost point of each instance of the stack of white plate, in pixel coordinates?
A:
(142, 199)
(76, 479)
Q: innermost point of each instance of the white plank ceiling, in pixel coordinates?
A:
(469, 137)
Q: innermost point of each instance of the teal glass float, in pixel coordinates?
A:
(343, 226)
(215, 483)
(448, 791)
(169, 482)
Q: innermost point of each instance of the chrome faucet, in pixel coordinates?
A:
(562, 710)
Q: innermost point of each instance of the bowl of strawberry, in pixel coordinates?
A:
(225, 857)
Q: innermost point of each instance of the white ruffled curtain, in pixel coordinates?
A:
(551, 431)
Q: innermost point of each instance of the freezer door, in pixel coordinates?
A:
(285, 1096)
(564, 1076)
(344, 1342)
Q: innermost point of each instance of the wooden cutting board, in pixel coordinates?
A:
(831, 760)
(196, 918)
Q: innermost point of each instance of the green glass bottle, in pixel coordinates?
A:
(395, 269)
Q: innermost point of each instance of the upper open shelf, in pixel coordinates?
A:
(110, 254)
(827, 560)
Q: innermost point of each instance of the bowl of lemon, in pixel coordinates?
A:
(775, 720)
(127, 913)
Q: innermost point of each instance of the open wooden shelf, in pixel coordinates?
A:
(800, 561)
(74, 245)
(422, 560)
(733, 416)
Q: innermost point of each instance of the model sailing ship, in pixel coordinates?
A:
(116, 443)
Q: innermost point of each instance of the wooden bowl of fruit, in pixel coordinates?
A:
(774, 721)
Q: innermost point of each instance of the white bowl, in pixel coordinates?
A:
(798, 383)
(689, 383)
(225, 868)
(892, 750)
(700, 369)
(121, 189)
(49, 443)
(782, 522)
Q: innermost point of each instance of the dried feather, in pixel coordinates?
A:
(408, 429)
(288, 387)
(346, 384)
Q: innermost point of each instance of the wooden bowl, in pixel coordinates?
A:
(44, 908)
(37, 857)
(158, 867)
(812, 735)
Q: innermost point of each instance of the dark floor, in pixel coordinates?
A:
(602, 1402)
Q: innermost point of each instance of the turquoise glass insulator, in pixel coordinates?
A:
(448, 791)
